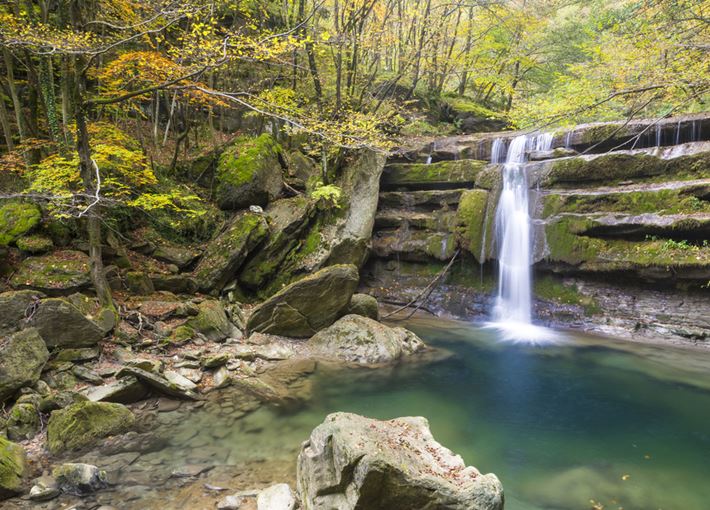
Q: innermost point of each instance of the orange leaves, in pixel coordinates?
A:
(138, 70)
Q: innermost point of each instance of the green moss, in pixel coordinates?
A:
(58, 270)
(242, 160)
(440, 245)
(228, 251)
(565, 246)
(665, 201)
(182, 334)
(445, 173)
(12, 467)
(610, 168)
(35, 244)
(464, 104)
(553, 289)
(16, 219)
(597, 134)
(470, 220)
(84, 423)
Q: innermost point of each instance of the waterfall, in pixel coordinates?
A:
(514, 237)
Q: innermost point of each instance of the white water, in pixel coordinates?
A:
(513, 234)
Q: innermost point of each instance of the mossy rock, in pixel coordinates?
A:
(212, 321)
(23, 422)
(444, 174)
(554, 289)
(17, 219)
(63, 271)
(22, 357)
(364, 305)
(663, 201)
(62, 324)
(13, 467)
(182, 334)
(225, 254)
(139, 283)
(470, 220)
(82, 424)
(415, 245)
(288, 220)
(307, 305)
(13, 307)
(249, 172)
(470, 116)
(35, 244)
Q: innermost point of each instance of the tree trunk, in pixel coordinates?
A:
(5, 122)
(16, 105)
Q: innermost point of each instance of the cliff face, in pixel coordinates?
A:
(619, 211)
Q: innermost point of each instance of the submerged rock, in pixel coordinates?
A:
(276, 497)
(79, 479)
(83, 423)
(12, 468)
(22, 357)
(354, 462)
(359, 339)
(307, 305)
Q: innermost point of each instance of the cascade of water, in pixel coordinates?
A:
(497, 151)
(658, 135)
(677, 134)
(513, 233)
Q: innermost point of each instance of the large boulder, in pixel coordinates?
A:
(249, 172)
(62, 324)
(14, 307)
(226, 253)
(22, 357)
(359, 339)
(61, 272)
(307, 305)
(12, 468)
(16, 219)
(84, 423)
(365, 305)
(354, 462)
(79, 479)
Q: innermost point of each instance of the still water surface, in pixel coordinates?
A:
(564, 426)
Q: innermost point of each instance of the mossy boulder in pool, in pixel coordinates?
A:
(22, 357)
(61, 272)
(249, 172)
(307, 305)
(13, 466)
(470, 220)
(84, 423)
(17, 219)
(352, 462)
(61, 324)
(361, 340)
(225, 254)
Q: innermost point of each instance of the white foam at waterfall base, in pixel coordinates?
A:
(513, 309)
